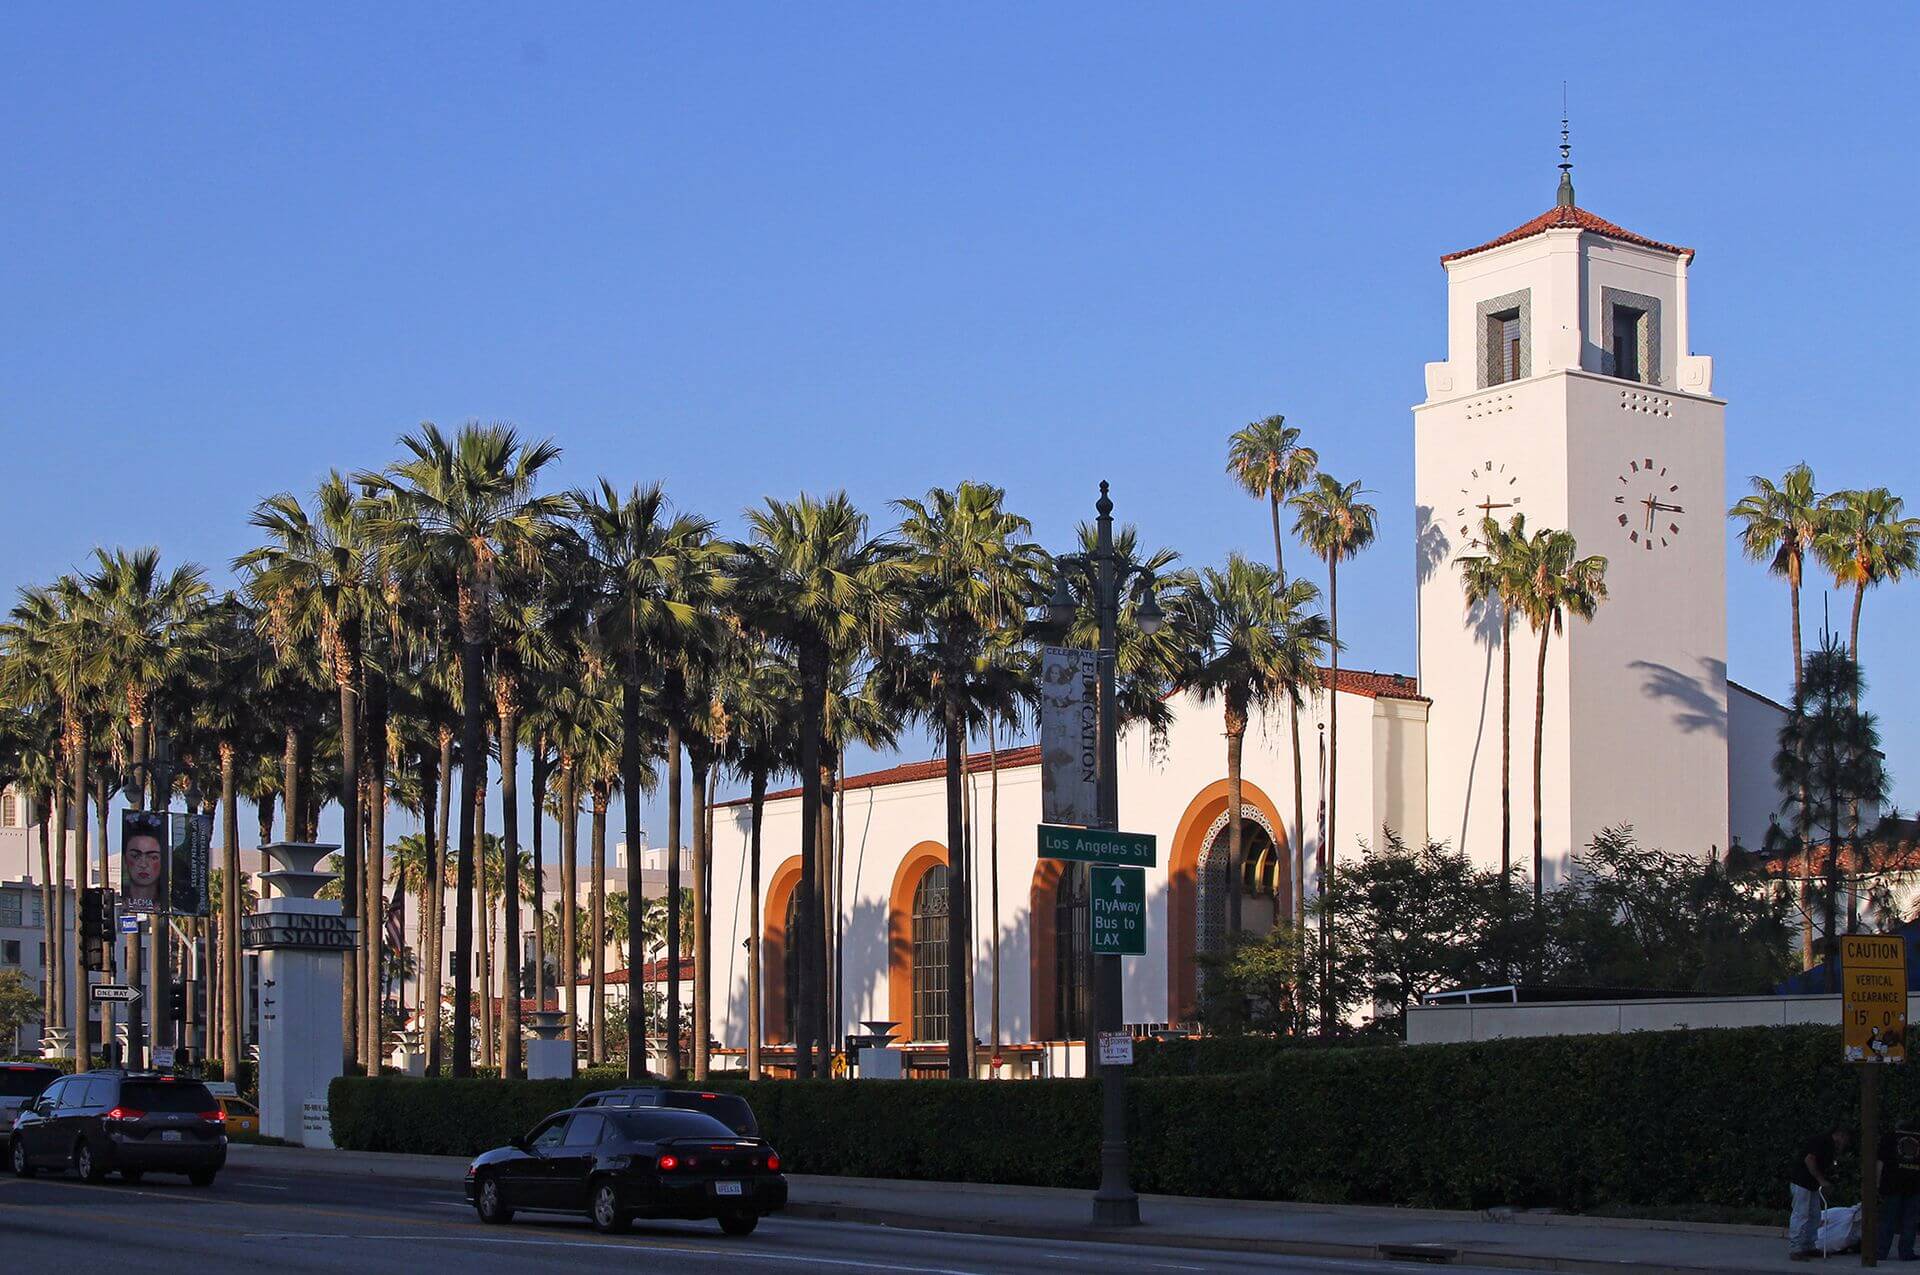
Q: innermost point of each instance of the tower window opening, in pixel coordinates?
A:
(1628, 341)
(1503, 347)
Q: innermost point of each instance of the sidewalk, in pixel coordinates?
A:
(1523, 1241)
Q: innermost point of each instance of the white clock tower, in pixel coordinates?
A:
(1569, 395)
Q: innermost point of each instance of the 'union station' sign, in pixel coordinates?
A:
(294, 929)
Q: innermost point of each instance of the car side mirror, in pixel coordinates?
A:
(519, 1142)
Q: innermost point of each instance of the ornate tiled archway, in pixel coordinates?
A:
(776, 949)
(1205, 815)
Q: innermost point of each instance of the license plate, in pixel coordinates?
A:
(170, 1135)
(726, 1188)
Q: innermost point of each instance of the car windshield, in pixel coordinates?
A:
(152, 1095)
(25, 1082)
(650, 1126)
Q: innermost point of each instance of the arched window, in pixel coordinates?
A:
(1210, 898)
(1072, 944)
(1261, 879)
(792, 970)
(930, 955)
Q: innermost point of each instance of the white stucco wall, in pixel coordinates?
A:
(1157, 786)
(1753, 731)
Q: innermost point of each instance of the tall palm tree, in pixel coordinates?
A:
(654, 573)
(321, 572)
(1780, 525)
(582, 720)
(814, 583)
(1267, 459)
(1553, 583)
(1867, 539)
(51, 640)
(1256, 641)
(461, 506)
(971, 578)
(227, 679)
(1336, 524)
(760, 694)
(1492, 579)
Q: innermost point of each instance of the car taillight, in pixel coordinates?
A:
(668, 1163)
(773, 1163)
(214, 1117)
(124, 1113)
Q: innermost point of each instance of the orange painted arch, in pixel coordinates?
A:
(775, 951)
(906, 878)
(1183, 984)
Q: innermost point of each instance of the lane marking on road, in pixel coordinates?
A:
(630, 1245)
(258, 1186)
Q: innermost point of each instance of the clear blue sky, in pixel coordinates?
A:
(749, 250)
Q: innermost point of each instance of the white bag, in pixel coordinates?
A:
(1839, 1229)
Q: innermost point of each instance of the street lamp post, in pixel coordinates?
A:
(1115, 1203)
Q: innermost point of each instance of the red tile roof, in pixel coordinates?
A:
(652, 972)
(1363, 682)
(1567, 217)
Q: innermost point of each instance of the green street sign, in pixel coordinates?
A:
(1096, 845)
(1118, 898)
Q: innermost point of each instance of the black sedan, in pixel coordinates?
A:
(616, 1164)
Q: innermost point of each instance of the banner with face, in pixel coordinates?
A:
(143, 861)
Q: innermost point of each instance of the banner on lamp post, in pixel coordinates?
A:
(188, 850)
(143, 861)
(1069, 736)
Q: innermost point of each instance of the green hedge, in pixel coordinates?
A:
(1709, 1117)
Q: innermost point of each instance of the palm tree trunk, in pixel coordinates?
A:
(993, 870)
(61, 917)
(443, 792)
(1236, 723)
(1329, 859)
(674, 779)
(758, 799)
(959, 1026)
(510, 883)
(702, 949)
(263, 809)
(1805, 816)
(568, 963)
(231, 1051)
(636, 897)
(483, 890)
(834, 808)
(1539, 720)
(597, 929)
(290, 794)
(473, 772)
(807, 944)
(103, 861)
(350, 887)
(1506, 748)
(540, 778)
(375, 879)
(82, 1024)
(52, 895)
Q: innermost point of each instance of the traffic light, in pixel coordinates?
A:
(177, 1002)
(96, 929)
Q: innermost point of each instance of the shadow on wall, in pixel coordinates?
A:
(1696, 706)
(1430, 545)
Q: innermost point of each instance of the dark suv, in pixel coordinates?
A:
(20, 1084)
(729, 1109)
(130, 1122)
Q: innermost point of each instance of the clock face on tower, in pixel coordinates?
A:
(1650, 510)
(1488, 490)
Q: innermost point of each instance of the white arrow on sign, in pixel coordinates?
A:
(1119, 887)
(115, 992)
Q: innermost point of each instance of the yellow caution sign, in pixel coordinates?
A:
(1873, 998)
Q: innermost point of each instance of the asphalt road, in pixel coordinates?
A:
(253, 1222)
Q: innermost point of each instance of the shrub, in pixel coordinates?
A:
(1670, 1118)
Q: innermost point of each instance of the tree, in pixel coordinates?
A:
(320, 572)
(19, 1004)
(1267, 459)
(1493, 579)
(813, 583)
(1829, 762)
(1781, 524)
(1336, 524)
(1866, 539)
(760, 694)
(971, 577)
(1258, 642)
(654, 572)
(1552, 582)
(458, 507)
